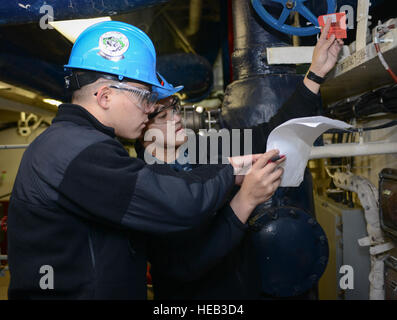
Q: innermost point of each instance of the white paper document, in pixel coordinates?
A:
(295, 139)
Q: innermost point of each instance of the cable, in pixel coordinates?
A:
(383, 126)
(383, 99)
(380, 30)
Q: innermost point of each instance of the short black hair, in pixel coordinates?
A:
(80, 78)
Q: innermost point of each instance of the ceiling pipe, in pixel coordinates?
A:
(195, 11)
(29, 72)
(43, 109)
(26, 71)
(32, 11)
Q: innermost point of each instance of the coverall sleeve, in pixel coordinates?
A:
(186, 258)
(302, 103)
(103, 183)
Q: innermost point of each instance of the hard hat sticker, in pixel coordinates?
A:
(113, 45)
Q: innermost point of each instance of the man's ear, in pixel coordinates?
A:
(103, 97)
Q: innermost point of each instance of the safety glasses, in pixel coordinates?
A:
(160, 117)
(144, 99)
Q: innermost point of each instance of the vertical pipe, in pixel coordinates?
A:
(258, 89)
(251, 38)
(195, 10)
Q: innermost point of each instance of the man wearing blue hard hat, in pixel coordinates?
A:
(81, 208)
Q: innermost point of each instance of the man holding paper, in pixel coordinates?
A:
(204, 273)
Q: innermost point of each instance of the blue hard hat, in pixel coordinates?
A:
(115, 48)
(166, 89)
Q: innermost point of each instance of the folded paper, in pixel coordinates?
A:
(295, 139)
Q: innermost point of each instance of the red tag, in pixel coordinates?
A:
(338, 24)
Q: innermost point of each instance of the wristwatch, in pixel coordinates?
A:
(317, 79)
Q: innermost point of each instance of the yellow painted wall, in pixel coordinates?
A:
(4, 282)
(9, 162)
(10, 159)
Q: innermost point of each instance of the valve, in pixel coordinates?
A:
(288, 7)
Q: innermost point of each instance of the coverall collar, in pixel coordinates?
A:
(79, 115)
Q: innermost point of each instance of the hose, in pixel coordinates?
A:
(379, 31)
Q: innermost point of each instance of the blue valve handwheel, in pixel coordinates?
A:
(292, 5)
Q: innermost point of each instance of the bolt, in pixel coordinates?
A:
(289, 4)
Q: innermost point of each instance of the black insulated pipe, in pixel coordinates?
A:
(259, 89)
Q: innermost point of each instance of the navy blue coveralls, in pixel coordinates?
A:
(81, 205)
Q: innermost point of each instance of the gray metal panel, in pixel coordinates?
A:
(354, 228)
(328, 215)
(360, 71)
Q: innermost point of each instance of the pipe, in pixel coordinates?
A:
(259, 89)
(194, 17)
(251, 38)
(20, 69)
(15, 12)
(368, 195)
(187, 47)
(341, 150)
(191, 70)
(13, 146)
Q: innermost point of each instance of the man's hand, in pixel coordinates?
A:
(325, 55)
(259, 184)
(242, 164)
(326, 52)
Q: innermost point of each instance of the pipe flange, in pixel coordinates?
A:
(291, 249)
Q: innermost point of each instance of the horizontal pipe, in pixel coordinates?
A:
(14, 146)
(353, 149)
(15, 12)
